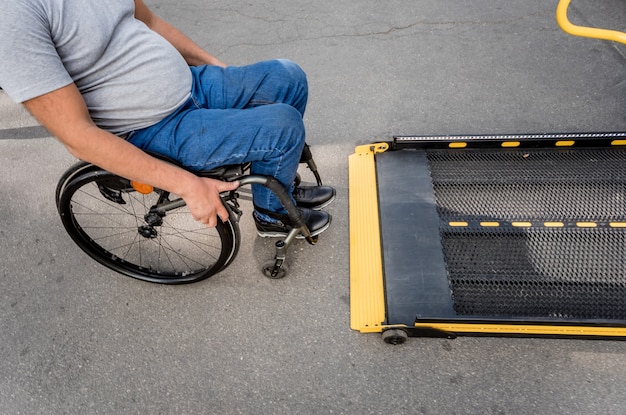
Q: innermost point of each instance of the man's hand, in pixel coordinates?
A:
(204, 202)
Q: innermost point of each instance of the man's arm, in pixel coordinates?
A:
(64, 113)
(193, 54)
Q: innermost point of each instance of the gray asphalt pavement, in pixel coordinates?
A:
(77, 338)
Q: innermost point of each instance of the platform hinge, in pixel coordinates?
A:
(372, 148)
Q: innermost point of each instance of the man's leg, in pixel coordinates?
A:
(240, 87)
(236, 115)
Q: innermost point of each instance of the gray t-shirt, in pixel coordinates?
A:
(129, 76)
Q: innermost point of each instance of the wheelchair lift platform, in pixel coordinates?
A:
(516, 235)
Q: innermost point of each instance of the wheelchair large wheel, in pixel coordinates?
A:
(113, 223)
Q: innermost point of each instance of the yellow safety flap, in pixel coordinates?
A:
(367, 296)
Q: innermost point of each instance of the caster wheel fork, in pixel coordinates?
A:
(275, 269)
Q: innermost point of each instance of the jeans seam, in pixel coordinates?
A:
(257, 103)
(195, 102)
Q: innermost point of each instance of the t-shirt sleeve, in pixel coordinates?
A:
(30, 65)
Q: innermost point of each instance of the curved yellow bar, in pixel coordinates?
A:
(568, 27)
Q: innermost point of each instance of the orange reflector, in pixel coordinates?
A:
(511, 144)
(458, 144)
(142, 188)
(458, 224)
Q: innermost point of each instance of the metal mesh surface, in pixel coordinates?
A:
(566, 271)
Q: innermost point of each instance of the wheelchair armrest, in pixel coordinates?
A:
(227, 173)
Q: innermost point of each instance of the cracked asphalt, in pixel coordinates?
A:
(77, 338)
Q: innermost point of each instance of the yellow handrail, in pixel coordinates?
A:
(568, 27)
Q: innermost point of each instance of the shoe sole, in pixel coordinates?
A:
(326, 203)
(299, 236)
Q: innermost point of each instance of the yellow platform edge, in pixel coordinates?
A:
(525, 329)
(367, 293)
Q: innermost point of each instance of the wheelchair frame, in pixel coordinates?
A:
(84, 174)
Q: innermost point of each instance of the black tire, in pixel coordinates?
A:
(395, 336)
(113, 230)
(70, 173)
(236, 237)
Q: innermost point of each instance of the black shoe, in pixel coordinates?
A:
(313, 197)
(317, 222)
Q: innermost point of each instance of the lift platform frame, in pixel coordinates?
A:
(402, 282)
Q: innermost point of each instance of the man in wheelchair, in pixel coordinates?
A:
(110, 79)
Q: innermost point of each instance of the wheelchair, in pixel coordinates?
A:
(149, 234)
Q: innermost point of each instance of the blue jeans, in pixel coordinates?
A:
(237, 115)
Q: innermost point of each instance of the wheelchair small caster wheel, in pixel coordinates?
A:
(395, 336)
(270, 271)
